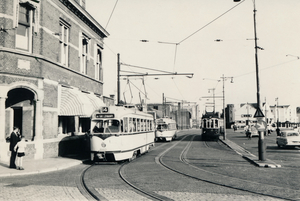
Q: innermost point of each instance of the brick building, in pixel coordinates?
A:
(51, 76)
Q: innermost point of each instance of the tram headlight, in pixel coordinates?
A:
(103, 144)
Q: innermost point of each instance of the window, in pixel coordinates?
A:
(64, 43)
(24, 29)
(134, 125)
(125, 124)
(98, 64)
(107, 126)
(84, 54)
(138, 125)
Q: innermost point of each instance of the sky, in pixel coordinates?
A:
(215, 38)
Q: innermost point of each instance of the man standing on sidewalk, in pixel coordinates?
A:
(14, 139)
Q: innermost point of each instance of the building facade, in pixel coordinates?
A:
(51, 73)
(285, 115)
(182, 115)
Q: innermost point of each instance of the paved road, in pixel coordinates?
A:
(289, 158)
(223, 172)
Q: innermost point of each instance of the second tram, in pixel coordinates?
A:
(119, 133)
(166, 129)
(212, 126)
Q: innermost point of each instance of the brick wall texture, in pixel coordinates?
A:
(43, 62)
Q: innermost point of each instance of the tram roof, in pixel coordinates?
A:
(121, 111)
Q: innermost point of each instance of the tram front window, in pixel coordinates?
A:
(107, 126)
(162, 127)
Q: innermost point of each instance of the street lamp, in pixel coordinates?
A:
(258, 114)
(224, 112)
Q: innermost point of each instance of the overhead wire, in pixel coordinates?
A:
(111, 13)
(176, 44)
(210, 22)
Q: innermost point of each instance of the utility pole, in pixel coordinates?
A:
(224, 112)
(118, 81)
(258, 114)
(214, 102)
(261, 144)
(163, 103)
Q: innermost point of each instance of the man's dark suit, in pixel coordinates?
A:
(14, 139)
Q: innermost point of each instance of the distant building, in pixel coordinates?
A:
(182, 116)
(244, 114)
(51, 73)
(285, 114)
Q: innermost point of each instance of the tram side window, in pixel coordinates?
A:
(142, 124)
(172, 126)
(125, 124)
(134, 125)
(216, 123)
(147, 125)
(131, 125)
(122, 126)
(212, 123)
(138, 125)
(204, 123)
(151, 128)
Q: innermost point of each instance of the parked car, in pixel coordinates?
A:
(288, 138)
(252, 130)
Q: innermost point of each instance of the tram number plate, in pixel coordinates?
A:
(105, 109)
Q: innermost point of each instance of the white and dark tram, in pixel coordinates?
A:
(212, 126)
(166, 129)
(119, 133)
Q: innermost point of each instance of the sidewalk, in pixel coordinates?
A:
(249, 156)
(38, 166)
(60, 163)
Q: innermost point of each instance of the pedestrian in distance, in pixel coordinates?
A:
(249, 133)
(234, 127)
(14, 139)
(278, 131)
(269, 129)
(20, 149)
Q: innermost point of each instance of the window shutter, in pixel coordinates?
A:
(95, 54)
(89, 46)
(36, 19)
(16, 13)
(80, 45)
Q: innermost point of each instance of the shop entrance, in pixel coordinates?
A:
(19, 110)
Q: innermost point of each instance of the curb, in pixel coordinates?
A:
(249, 156)
(52, 169)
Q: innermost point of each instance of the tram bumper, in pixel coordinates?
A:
(102, 156)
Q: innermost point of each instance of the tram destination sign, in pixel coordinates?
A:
(105, 115)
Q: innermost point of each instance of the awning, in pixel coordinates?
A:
(96, 101)
(76, 103)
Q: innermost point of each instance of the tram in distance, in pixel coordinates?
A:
(166, 129)
(119, 133)
(212, 126)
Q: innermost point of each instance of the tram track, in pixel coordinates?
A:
(92, 194)
(184, 160)
(198, 174)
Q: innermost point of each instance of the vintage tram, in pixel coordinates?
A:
(166, 129)
(212, 126)
(120, 133)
